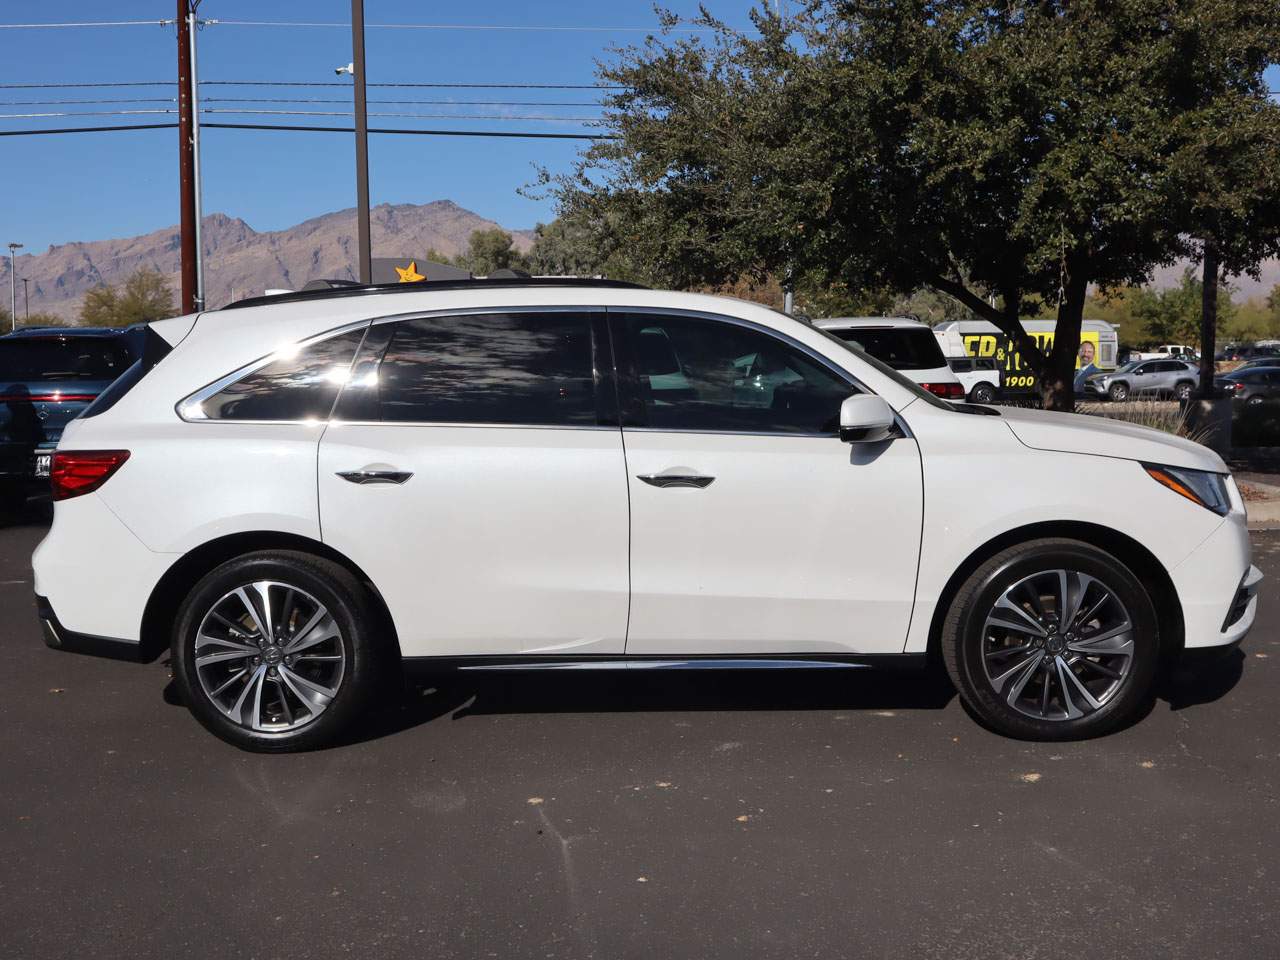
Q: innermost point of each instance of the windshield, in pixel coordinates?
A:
(903, 348)
(61, 358)
(1129, 366)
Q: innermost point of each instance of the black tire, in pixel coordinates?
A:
(1182, 391)
(1119, 392)
(964, 643)
(361, 640)
(1255, 400)
(982, 393)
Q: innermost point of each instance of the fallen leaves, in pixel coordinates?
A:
(1029, 777)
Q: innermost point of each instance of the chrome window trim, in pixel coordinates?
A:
(462, 424)
(183, 407)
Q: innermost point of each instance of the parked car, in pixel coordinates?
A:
(1267, 349)
(1167, 351)
(1145, 377)
(906, 345)
(310, 493)
(48, 375)
(979, 376)
(1252, 385)
(1258, 362)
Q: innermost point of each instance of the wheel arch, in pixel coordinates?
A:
(1149, 571)
(172, 588)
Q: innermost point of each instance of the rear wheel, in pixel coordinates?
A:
(1052, 640)
(1182, 391)
(1119, 392)
(277, 651)
(982, 393)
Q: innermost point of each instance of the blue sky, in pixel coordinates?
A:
(91, 186)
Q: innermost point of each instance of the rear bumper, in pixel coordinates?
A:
(58, 637)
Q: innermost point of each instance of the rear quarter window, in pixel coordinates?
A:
(290, 386)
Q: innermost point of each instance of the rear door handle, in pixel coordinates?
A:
(675, 480)
(375, 476)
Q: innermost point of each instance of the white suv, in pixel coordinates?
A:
(903, 343)
(307, 494)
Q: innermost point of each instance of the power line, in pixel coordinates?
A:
(296, 113)
(91, 23)
(519, 28)
(69, 103)
(402, 103)
(315, 83)
(509, 134)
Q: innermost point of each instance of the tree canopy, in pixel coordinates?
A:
(144, 297)
(1007, 156)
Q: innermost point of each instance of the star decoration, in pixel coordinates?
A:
(410, 273)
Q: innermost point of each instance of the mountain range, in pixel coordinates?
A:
(240, 261)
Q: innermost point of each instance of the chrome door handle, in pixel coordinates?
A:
(375, 476)
(675, 480)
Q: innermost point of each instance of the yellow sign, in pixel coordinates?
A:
(410, 273)
(999, 347)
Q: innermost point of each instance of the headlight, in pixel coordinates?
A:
(1199, 486)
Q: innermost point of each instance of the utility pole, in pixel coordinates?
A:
(13, 285)
(362, 142)
(26, 298)
(186, 161)
(198, 183)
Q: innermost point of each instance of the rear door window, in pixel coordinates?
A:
(522, 368)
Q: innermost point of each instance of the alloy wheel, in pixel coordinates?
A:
(1058, 645)
(269, 656)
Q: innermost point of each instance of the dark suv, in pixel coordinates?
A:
(48, 375)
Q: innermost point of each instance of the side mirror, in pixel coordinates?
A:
(865, 418)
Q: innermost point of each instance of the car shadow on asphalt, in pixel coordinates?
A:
(655, 691)
(1190, 682)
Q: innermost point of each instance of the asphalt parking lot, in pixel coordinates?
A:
(800, 814)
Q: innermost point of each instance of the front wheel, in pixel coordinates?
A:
(1052, 640)
(1119, 392)
(1254, 401)
(277, 651)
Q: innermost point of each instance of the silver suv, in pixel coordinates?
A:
(1160, 377)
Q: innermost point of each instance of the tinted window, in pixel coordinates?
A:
(521, 368)
(961, 366)
(62, 358)
(696, 374)
(903, 348)
(298, 386)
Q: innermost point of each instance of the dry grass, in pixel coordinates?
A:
(1166, 415)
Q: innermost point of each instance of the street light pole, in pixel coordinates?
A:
(13, 285)
(362, 141)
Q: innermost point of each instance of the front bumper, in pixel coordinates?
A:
(1218, 587)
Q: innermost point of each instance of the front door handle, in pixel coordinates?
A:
(375, 476)
(675, 480)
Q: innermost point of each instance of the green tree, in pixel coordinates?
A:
(145, 296)
(1173, 315)
(490, 250)
(1005, 155)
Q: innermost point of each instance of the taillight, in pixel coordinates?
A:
(947, 391)
(75, 472)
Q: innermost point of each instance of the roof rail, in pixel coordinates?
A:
(349, 289)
